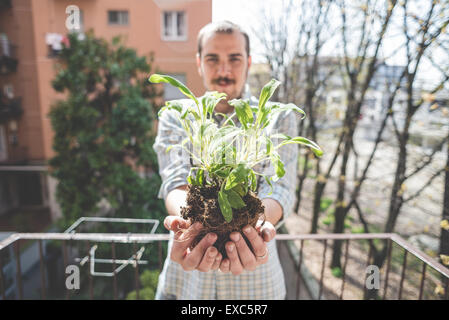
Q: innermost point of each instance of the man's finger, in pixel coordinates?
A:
(175, 223)
(235, 266)
(217, 261)
(208, 259)
(193, 259)
(247, 258)
(224, 266)
(258, 244)
(267, 231)
(183, 240)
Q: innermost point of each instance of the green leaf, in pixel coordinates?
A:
(236, 176)
(268, 180)
(267, 92)
(158, 78)
(223, 173)
(225, 206)
(191, 181)
(265, 95)
(240, 190)
(171, 105)
(228, 119)
(269, 144)
(278, 166)
(243, 111)
(304, 141)
(200, 177)
(234, 199)
(210, 100)
(285, 107)
(280, 136)
(253, 178)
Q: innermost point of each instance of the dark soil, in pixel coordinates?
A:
(203, 207)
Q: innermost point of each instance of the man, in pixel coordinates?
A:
(223, 61)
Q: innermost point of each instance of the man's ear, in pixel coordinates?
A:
(249, 62)
(198, 65)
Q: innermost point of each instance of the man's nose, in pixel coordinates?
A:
(224, 69)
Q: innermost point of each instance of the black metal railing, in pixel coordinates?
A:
(439, 273)
(8, 57)
(81, 249)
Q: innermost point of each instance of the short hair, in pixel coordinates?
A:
(224, 26)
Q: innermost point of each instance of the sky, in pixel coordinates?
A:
(245, 13)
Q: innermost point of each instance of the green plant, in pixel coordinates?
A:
(337, 272)
(325, 204)
(149, 280)
(226, 156)
(357, 229)
(104, 130)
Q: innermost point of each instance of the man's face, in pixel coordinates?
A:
(224, 64)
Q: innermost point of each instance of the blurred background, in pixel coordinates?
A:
(78, 119)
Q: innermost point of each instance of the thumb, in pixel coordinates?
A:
(175, 223)
(267, 232)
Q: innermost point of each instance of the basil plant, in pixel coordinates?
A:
(225, 156)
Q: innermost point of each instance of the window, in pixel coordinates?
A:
(172, 93)
(118, 17)
(174, 26)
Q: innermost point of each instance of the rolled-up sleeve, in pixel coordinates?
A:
(174, 166)
(284, 189)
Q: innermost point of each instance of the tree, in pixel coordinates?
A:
(293, 37)
(359, 68)
(421, 29)
(104, 130)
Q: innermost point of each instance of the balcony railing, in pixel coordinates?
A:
(8, 57)
(83, 249)
(10, 108)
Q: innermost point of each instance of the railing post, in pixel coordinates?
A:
(370, 253)
(42, 268)
(136, 271)
(390, 247)
(323, 265)
(404, 266)
(423, 278)
(446, 291)
(65, 261)
(159, 245)
(91, 291)
(2, 283)
(298, 281)
(18, 270)
(344, 270)
(113, 270)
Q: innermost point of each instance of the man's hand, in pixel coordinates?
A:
(240, 255)
(204, 257)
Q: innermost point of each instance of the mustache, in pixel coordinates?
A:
(223, 79)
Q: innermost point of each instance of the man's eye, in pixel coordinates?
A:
(213, 60)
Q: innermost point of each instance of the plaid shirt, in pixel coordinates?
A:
(267, 281)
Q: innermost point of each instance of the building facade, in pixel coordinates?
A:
(32, 32)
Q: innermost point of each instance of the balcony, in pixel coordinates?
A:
(9, 108)
(5, 4)
(112, 264)
(8, 60)
(17, 155)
